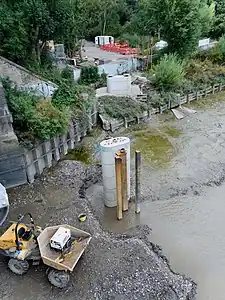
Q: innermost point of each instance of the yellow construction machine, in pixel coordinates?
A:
(26, 244)
(19, 243)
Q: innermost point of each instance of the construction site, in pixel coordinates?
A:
(131, 210)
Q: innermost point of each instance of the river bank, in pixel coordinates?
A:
(114, 266)
(183, 183)
(181, 209)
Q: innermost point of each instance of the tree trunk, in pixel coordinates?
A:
(38, 50)
(104, 21)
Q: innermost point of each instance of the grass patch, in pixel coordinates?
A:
(134, 128)
(155, 148)
(120, 107)
(80, 153)
(172, 131)
(209, 101)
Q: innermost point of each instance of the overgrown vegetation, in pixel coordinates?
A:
(89, 75)
(38, 118)
(204, 73)
(42, 119)
(27, 26)
(120, 107)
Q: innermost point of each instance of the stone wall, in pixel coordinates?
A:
(8, 139)
(18, 74)
(21, 166)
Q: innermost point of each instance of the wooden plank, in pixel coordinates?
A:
(123, 155)
(118, 169)
(188, 110)
(177, 114)
(137, 181)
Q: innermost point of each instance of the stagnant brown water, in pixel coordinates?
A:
(191, 232)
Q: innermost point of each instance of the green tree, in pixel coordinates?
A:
(13, 37)
(178, 22)
(207, 13)
(218, 28)
(40, 25)
(142, 21)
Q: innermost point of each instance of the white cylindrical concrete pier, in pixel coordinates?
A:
(108, 149)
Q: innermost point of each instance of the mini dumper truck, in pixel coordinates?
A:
(58, 247)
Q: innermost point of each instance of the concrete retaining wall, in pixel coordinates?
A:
(49, 152)
(22, 166)
(13, 168)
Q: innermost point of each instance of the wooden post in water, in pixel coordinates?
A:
(118, 168)
(123, 155)
(137, 181)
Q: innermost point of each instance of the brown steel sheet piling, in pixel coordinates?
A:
(123, 155)
(137, 181)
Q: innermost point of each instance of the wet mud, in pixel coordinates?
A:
(183, 186)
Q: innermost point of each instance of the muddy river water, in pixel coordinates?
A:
(183, 192)
(192, 234)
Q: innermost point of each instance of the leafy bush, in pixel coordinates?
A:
(216, 54)
(221, 45)
(64, 96)
(204, 72)
(22, 107)
(168, 73)
(73, 96)
(48, 121)
(67, 74)
(38, 118)
(88, 75)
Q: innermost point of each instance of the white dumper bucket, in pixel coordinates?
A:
(4, 204)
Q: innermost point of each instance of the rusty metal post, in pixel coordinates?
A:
(118, 166)
(123, 155)
(137, 181)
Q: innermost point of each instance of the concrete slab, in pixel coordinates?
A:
(135, 90)
(178, 114)
(187, 110)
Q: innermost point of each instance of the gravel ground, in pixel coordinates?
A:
(125, 266)
(198, 162)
